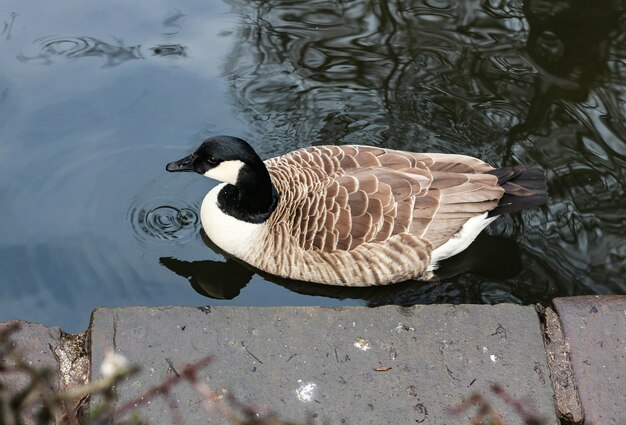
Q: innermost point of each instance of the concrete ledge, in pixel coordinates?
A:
(360, 365)
(349, 365)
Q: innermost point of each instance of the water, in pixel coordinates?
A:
(95, 99)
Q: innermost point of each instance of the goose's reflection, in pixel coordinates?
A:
(569, 44)
(489, 256)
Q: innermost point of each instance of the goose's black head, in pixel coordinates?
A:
(222, 158)
(250, 195)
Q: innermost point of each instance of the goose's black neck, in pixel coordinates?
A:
(253, 198)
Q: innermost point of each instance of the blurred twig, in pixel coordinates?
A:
(486, 411)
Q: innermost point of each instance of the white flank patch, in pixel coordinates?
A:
(227, 171)
(461, 240)
(234, 236)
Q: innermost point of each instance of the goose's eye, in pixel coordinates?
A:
(211, 160)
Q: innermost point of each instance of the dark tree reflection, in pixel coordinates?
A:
(508, 81)
(569, 44)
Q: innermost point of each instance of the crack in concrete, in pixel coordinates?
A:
(249, 352)
(73, 365)
(451, 375)
(114, 338)
(171, 366)
(566, 397)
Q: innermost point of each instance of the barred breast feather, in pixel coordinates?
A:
(362, 215)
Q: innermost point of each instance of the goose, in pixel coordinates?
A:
(352, 215)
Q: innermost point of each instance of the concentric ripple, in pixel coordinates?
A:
(85, 46)
(154, 220)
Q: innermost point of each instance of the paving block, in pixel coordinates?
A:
(595, 329)
(353, 365)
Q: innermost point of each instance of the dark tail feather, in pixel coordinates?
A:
(524, 187)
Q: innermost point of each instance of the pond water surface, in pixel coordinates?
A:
(96, 97)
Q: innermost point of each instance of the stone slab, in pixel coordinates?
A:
(595, 329)
(353, 365)
(36, 343)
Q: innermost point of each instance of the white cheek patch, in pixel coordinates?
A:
(226, 172)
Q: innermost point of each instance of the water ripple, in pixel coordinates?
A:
(156, 220)
(84, 46)
(114, 53)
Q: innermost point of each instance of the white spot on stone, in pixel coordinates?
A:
(485, 349)
(305, 392)
(362, 344)
(402, 327)
(494, 358)
(113, 364)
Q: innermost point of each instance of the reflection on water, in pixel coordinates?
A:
(90, 217)
(173, 22)
(7, 26)
(86, 210)
(81, 47)
(569, 44)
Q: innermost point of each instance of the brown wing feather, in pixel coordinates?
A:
(346, 196)
(464, 192)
